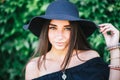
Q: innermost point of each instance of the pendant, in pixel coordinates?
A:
(64, 76)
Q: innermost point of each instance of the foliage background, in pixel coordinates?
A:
(17, 45)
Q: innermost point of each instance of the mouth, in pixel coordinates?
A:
(60, 43)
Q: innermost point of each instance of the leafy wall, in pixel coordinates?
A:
(17, 45)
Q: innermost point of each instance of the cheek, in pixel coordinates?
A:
(50, 36)
(67, 35)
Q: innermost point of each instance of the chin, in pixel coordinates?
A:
(60, 47)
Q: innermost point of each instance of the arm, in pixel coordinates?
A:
(112, 39)
(115, 74)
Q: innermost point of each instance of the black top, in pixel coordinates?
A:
(93, 69)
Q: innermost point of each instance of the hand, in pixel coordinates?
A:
(110, 33)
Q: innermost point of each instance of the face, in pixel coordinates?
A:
(59, 34)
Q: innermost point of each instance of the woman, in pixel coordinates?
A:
(64, 53)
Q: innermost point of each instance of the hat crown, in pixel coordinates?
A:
(62, 7)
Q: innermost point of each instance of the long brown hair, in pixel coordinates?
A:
(78, 41)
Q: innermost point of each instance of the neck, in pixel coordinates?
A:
(59, 52)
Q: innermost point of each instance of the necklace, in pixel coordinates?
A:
(64, 76)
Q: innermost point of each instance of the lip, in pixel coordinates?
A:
(59, 43)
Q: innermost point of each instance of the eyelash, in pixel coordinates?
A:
(66, 28)
(53, 28)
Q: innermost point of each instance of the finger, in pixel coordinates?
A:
(108, 31)
(102, 29)
(105, 24)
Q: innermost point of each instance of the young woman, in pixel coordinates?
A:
(63, 52)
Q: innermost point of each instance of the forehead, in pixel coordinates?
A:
(59, 22)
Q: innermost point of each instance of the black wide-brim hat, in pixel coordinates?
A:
(60, 10)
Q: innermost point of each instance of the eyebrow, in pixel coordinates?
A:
(56, 25)
(52, 24)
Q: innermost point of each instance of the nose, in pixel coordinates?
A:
(59, 34)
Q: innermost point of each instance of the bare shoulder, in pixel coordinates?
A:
(92, 53)
(89, 54)
(31, 70)
(32, 63)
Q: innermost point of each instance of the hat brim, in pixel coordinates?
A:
(36, 24)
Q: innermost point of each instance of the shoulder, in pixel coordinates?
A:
(92, 53)
(32, 63)
(89, 54)
(32, 70)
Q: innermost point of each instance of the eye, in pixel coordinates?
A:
(68, 28)
(52, 28)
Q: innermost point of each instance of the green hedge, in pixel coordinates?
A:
(17, 45)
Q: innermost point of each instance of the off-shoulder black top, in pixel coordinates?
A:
(93, 69)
